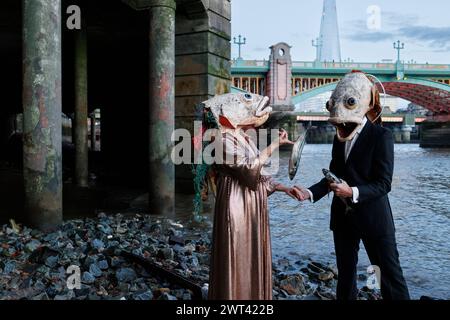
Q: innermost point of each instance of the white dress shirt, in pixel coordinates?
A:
(348, 148)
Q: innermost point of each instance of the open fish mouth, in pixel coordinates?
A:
(345, 129)
(263, 107)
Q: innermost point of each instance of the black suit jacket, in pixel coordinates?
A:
(369, 168)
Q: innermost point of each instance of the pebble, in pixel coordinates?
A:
(125, 275)
(36, 263)
(146, 295)
(98, 244)
(166, 253)
(32, 245)
(95, 270)
(87, 278)
(103, 265)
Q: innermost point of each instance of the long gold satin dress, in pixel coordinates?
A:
(241, 261)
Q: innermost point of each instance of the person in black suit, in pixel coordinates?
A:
(363, 157)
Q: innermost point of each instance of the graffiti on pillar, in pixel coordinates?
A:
(74, 20)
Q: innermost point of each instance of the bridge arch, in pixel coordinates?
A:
(432, 95)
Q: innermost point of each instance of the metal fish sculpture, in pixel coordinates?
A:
(332, 178)
(297, 149)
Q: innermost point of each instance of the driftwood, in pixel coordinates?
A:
(166, 274)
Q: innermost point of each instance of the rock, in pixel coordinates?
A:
(98, 244)
(152, 250)
(155, 228)
(166, 253)
(316, 267)
(121, 230)
(325, 276)
(69, 296)
(145, 295)
(83, 291)
(41, 296)
(193, 261)
(325, 295)
(87, 278)
(51, 261)
(10, 266)
(362, 277)
(176, 240)
(95, 270)
(186, 296)
(166, 296)
(32, 245)
(203, 259)
(116, 261)
(125, 275)
(103, 265)
(333, 269)
(105, 229)
(189, 248)
(205, 289)
(293, 285)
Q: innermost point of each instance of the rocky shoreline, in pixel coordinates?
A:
(43, 266)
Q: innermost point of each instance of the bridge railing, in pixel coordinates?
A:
(427, 66)
(344, 65)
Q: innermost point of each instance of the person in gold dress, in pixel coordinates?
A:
(241, 260)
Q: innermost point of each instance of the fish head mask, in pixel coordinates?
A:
(354, 98)
(234, 110)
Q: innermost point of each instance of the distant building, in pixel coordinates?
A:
(330, 45)
(416, 109)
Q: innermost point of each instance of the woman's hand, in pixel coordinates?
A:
(284, 138)
(291, 192)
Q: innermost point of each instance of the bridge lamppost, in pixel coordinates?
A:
(400, 68)
(240, 43)
(399, 47)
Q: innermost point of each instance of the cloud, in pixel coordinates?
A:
(371, 36)
(396, 19)
(401, 26)
(437, 37)
(259, 49)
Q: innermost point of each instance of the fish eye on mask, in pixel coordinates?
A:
(351, 103)
(248, 96)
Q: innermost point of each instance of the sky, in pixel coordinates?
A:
(424, 27)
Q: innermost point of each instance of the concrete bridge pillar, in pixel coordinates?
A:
(42, 112)
(279, 87)
(406, 134)
(162, 106)
(81, 108)
(397, 133)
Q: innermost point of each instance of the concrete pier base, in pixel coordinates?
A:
(42, 133)
(435, 135)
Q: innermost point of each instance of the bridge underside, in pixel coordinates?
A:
(433, 99)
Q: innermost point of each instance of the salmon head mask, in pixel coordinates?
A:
(354, 98)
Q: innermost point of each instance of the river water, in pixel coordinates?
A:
(420, 201)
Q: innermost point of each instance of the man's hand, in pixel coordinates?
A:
(303, 193)
(342, 189)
